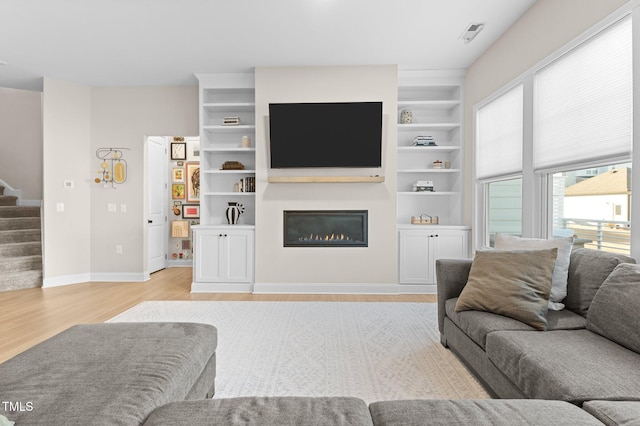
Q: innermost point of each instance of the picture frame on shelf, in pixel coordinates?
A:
(177, 191)
(191, 211)
(177, 174)
(193, 182)
(178, 150)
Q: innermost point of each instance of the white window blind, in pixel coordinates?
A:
(583, 102)
(499, 135)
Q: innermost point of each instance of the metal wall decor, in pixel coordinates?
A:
(113, 168)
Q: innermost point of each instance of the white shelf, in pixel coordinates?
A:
(436, 104)
(427, 193)
(228, 194)
(428, 170)
(228, 149)
(428, 126)
(413, 149)
(221, 128)
(230, 106)
(222, 172)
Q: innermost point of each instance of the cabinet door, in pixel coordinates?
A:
(416, 257)
(238, 256)
(208, 263)
(451, 245)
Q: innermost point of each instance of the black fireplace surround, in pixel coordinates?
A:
(325, 228)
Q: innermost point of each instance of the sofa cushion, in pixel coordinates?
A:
(560, 269)
(505, 412)
(615, 310)
(568, 365)
(477, 324)
(515, 284)
(106, 374)
(614, 413)
(281, 411)
(587, 271)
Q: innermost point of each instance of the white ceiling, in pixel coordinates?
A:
(164, 42)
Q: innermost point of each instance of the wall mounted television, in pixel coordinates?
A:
(325, 134)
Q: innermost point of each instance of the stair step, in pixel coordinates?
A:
(12, 223)
(8, 200)
(20, 249)
(19, 211)
(20, 280)
(20, 264)
(1, 190)
(19, 236)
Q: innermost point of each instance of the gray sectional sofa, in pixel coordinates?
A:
(589, 355)
(585, 369)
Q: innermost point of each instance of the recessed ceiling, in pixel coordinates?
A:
(164, 42)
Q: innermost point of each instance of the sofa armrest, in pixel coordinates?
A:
(451, 277)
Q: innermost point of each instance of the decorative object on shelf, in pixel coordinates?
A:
(231, 121)
(424, 219)
(179, 151)
(423, 186)
(193, 182)
(177, 191)
(406, 117)
(437, 164)
(245, 142)
(180, 229)
(113, 168)
(233, 212)
(190, 211)
(232, 165)
(247, 184)
(178, 175)
(424, 141)
(447, 164)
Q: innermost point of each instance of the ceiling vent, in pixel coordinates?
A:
(471, 32)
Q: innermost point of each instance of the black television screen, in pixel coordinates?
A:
(335, 134)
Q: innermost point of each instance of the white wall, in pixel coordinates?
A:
(122, 117)
(375, 264)
(66, 138)
(21, 141)
(546, 27)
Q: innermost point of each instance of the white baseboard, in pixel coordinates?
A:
(119, 277)
(417, 289)
(221, 288)
(325, 288)
(66, 280)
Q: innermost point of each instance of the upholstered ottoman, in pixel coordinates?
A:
(280, 411)
(108, 374)
(490, 412)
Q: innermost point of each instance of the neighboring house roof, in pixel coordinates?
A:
(616, 181)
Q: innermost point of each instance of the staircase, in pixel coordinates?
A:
(20, 245)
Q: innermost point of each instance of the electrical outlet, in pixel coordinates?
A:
(111, 207)
(118, 249)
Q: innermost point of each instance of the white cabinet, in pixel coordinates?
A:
(434, 102)
(421, 246)
(222, 144)
(222, 254)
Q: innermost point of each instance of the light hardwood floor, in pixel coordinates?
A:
(30, 316)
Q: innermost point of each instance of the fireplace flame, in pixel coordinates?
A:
(332, 237)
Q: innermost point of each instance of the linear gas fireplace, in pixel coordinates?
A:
(325, 228)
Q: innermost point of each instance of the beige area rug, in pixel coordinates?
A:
(373, 351)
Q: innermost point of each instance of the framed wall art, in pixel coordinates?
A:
(177, 174)
(190, 211)
(178, 150)
(193, 182)
(177, 191)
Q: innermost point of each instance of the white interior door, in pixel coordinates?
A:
(157, 173)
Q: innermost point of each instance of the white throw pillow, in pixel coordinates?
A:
(561, 268)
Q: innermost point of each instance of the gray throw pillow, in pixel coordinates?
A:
(561, 268)
(615, 312)
(515, 284)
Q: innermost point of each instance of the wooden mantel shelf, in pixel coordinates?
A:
(325, 179)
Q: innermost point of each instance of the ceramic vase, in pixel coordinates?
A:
(233, 212)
